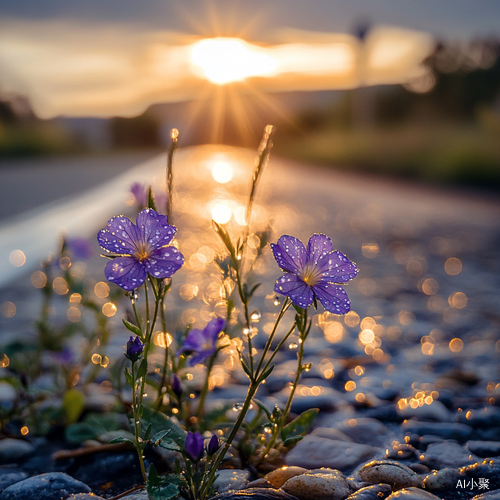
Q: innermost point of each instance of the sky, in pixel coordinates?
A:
(117, 57)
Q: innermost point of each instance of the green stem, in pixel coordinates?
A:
(174, 135)
(164, 372)
(204, 391)
(137, 425)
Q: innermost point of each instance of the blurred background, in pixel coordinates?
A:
(408, 90)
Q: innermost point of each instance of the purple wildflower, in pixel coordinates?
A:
(81, 248)
(203, 343)
(176, 385)
(194, 446)
(134, 349)
(140, 249)
(313, 273)
(213, 445)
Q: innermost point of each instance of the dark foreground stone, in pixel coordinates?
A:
(255, 494)
(49, 486)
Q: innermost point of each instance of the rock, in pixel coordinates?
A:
(427, 439)
(412, 494)
(419, 468)
(279, 476)
(400, 451)
(460, 432)
(441, 479)
(446, 454)
(251, 494)
(388, 472)
(327, 484)
(231, 479)
(262, 482)
(329, 433)
(374, 492)
(436, 411)
(8, 477)
(137, 495)
(45, 487)
(486, 417)
(313, 452)
(484, 449)
(12, 450)
(364, 430)
(85, 496)
(489, 469)
(490, 495)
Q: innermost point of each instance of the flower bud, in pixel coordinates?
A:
(213, 445)
(194, 446)
(176, 386)
(134, 349)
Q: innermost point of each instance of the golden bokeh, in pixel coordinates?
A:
(350, 385)
(430, 286)
(8, 309)
(370, 250)
(74, 314)
(101, 290)
(351, 319)
(453, 266)
(60, 286)
(38, 279)
(17, 258)
(109, 309)
(456, 345)
(458, 300)
(162, 339)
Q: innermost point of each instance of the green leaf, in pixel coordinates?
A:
(253, 290)
(130, 379)
(143, 369)
(300, 425)
(147, 433)
(160, 422)
(245, 367)
(292, 441)
(225, 238)
(170, 445)
(73, 404)
(151, 199)
(261, 405)
(121, 440)
(132, 327)
(94, 425)
(266, 374)
(161, 487)
(159, 436)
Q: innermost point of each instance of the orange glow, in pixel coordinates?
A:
(456, 345)
(453, 266)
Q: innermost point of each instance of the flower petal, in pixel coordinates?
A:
(193, 342)
(164, 262)
(126, 272)
(213, 328)
(154, 228)
(292, 286)
(333, 297)
(290, 254)
(199, 357)
(336, 268)
(319, 245)
(120, 236)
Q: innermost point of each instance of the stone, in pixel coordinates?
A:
(489, 468)
(446, 454)
(137, 495)
(364, 430)
(374, 492)
(388, 472)
(326, 484)
(400, 451)
(486, 417)
(8, 477)
(490, 495)
(460, 432)
(231, 479)
(85, 496)
(12, 450)
(313, 452)
(436, 411)
(484, 449)
(412, 494)
(45, 487)
(279, 476)
(441, 479)
(251, 494)
(329, 433)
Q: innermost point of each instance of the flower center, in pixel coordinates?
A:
(310, 275)
(142, 252)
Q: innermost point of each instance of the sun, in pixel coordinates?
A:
(226, 60)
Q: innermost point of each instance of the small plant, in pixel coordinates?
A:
(143, 261)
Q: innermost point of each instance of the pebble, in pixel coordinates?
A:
(374, 492)
(436, 411)
(484, 449)
(279, 476)
(486, 417)
(460, 432)
(313, 452)
(441, 479)
(85, 496)
(8, 477)
(250, 494)
(367, 431)
(230, 479)
(490, 495)
(45, 487)
(389, 472)
(329, 433)
(12, 450)
(412, 494)
(400, 451)
(326, 484)
(486, 469)
(446, 454)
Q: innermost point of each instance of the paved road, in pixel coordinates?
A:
(399, 234)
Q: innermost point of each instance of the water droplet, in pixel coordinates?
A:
(307, 367)
(238, 407)
(292, 346)
(276, 301)
(255, 316)
(134, 296)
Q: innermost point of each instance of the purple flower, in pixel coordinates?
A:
(81, 248)
(213, 445)
(313, 273)
(194, 446)
(140, 193)
(134, 349)
(176, 385)
(140, 249)
(203, 343)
